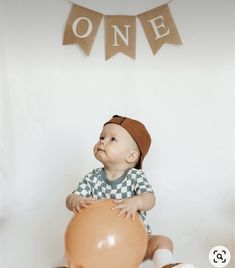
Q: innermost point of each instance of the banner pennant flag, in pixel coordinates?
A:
(159, 27)
(120, 35)
(81, 27)
(120, 30)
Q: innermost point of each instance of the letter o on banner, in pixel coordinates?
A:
(75, 26)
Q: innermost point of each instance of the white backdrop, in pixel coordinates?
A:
(54, 100)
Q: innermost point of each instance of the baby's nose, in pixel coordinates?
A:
(101, 142)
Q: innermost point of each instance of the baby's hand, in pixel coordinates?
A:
(78, 202)
(127, 206)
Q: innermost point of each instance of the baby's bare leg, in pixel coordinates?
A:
(156, 242)
(159, 250)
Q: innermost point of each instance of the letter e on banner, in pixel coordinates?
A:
(159, 27)
(81, 27)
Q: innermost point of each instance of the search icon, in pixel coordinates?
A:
(219, 256)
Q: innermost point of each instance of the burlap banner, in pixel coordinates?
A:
(120, 31)
(120, 35)
(81, 27)
(159, 27)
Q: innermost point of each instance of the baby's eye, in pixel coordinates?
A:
(113, 139)
(101, 138)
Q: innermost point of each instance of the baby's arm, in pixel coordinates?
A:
(145, 197)
(131, 205)
(75, 202)
(145, 201)
(82, 196)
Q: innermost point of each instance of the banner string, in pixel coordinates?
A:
(168, 2)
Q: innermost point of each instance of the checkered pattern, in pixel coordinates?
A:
(133, 182)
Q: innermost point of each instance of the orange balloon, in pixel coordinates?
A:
(97, 238)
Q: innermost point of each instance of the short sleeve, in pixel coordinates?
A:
(84, 187)
(142, 185)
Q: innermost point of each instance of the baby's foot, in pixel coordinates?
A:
(179, 265)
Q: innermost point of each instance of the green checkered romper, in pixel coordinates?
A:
(133, 182)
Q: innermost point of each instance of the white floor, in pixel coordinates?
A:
(34, 238)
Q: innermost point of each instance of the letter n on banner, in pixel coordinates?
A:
(81, 27)
(120, 35)
(159, 27)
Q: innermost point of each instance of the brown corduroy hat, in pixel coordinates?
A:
(138, 132)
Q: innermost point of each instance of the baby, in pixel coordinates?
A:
(122, 146)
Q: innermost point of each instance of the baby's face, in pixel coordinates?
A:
(114, 144)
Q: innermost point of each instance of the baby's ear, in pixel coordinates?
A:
(132, 157)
